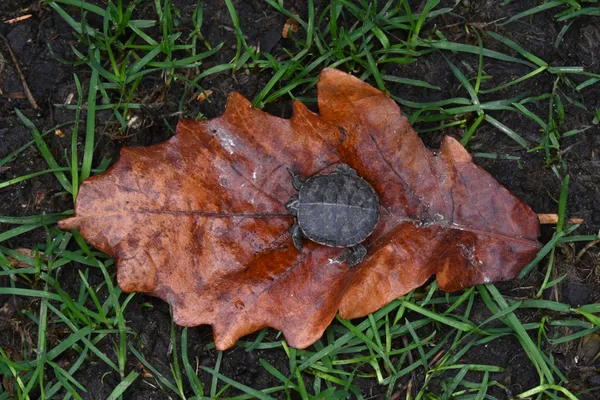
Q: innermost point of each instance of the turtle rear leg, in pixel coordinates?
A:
(297, 236)
(354, 255)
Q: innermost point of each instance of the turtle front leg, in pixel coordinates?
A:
(297, 179)
(297, 237)
(292, 206)
(354, 255)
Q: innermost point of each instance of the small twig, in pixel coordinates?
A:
(479, 25)
(18, 19)
(413, 377)
(587, 247)
(552, 219)
(21, 76)
(409, 389)
(2, 62)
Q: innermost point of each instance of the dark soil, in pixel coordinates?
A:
(51, 82)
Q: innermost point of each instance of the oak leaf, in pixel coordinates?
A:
(200, 220)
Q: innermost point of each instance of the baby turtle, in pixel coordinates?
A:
(339, 210)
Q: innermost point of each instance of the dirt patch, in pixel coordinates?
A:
(51, 83)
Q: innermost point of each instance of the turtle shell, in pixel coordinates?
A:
(338, 209)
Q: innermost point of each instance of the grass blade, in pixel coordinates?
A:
(43, 147)
(122, 386)
(246, 389)
(512, 134)
(88, 153)
(533, 11)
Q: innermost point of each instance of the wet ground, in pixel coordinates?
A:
(51, 83)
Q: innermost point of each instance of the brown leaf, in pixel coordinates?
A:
(200, 220)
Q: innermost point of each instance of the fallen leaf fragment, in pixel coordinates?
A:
(39, 197)
(207, 229)
(28, 253)
(8, 383)
(589, 348)
(292, 24)
(204, 95)
(552, 219)
(69, 98)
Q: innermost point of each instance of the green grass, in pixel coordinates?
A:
(420, 338)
